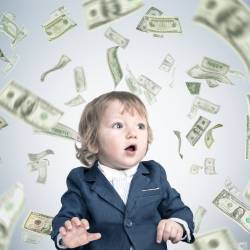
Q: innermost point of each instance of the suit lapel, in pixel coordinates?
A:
(103, 188)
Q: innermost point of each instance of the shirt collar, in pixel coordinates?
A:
(111, 173)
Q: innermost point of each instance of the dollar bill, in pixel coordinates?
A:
(235, 209)
(198, 216)
(3, 123)
(114, 65)
(209, 166)
(221, 239)
(38, 223)
(149, 85)
(162, 24)
(80, 80)
(63, 61)
(9, 62)
(178, 135)
(11, 205)
(195, 169)
(75, 101)
(209, 64)
(35, 165)
(197, 130)
(242, 246)
(212, 83)
(203, 104)
(151, 98)
(199, 73)
(42, 174)
(99, 12)
(9, 28)
(58, 24)
(152, 11)
(132, 83)
(38, 156)
(117, 38)
(193, 87)
(27, 106)
(248, 138)
(230, 19)
(231, 187)
(60, 130)
(167, 63)
(246, 193)
(208, 138)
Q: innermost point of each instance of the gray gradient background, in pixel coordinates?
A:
(143, 54)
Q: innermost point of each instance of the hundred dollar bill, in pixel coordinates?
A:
(75, 101)
(98, 12)
(80, 81)
(9, 28)
(230, 19)
(167, 63)
(149, 85)
(162, 24)
(246, 193)
(178, 135)
(203, 104)
(209, 166)
(212, 65)
(61, 130)
(193, 87)
(38, 156)
(3, 123)
(152, 11)
(199, 214)
(231, 187)
(208, 138)
(233, 208)
(117, 38)
(197, 130)
(151, 98)
(58, 24)
(11, 205)
(63, 61)
(27, 106)
(38, 223)
(114, 64)
(248, 138)
(221, 239)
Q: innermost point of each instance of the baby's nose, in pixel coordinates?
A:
(131, 133)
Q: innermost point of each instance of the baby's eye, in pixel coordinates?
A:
(117, 125)
(141, 126)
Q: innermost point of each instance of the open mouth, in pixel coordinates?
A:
(131, 148)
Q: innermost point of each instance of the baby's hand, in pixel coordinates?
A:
(74, 233)
(168, 229)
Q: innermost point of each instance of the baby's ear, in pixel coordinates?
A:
(93, 148)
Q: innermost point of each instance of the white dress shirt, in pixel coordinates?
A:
(120, 180)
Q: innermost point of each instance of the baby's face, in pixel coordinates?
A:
(122, 137)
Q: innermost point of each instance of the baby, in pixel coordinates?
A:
(117, 201)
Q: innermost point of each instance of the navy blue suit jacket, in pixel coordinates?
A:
(150, 199)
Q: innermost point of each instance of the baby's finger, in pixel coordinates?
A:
(172, 234)
(160, 230)
(68, 225)
(178, 237)
(167, 232)
(85, 223)
(62, 231)
(93, 236)
(76, 221)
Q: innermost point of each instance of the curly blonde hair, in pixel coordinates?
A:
(91, 118)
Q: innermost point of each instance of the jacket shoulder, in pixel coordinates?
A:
(154, 166)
